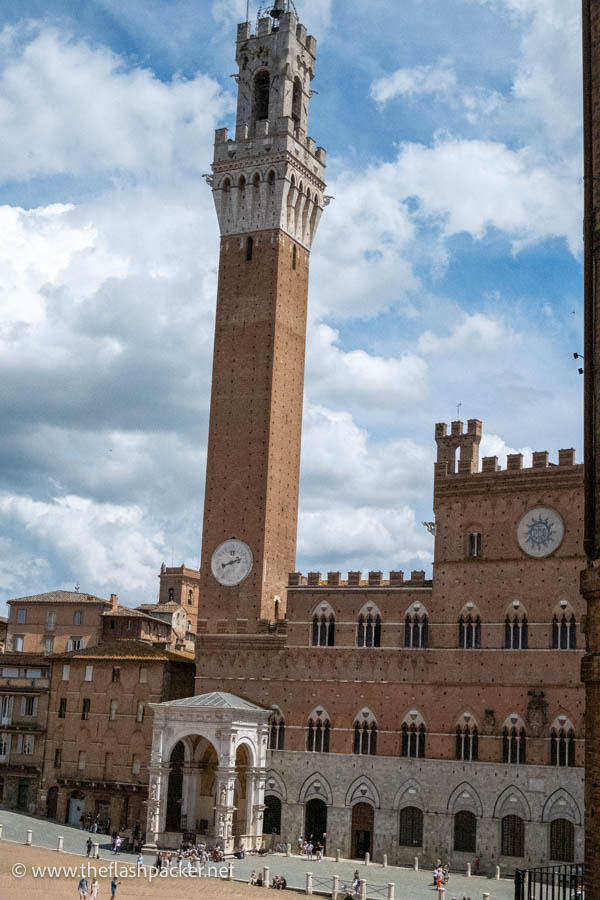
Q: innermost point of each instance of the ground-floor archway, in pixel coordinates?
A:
(52, 802)
(75, 808)
(363, 827)
(315, 821)
(272, 818)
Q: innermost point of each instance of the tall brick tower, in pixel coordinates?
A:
(268, 191)
(590, 581)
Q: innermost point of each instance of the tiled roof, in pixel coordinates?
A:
(60, 597)
(167, 607)
(128, 613)
(23, 659)
(214, 700)
(126, 649)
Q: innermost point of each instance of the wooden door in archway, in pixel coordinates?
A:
(363, 826)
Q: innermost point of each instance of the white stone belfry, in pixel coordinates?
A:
(223, 771)
(271, 175)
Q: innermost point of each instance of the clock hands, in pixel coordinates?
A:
(231, 562)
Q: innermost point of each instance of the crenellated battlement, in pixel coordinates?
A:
(465, 446)
(459, 444)
(355, 580)
(287, 24)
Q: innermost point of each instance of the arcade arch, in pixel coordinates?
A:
(208, 769)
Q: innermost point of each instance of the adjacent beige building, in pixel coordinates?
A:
(24, 685)
(54, 622)
(100, 730)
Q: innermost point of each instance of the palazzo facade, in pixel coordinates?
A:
(387, 715)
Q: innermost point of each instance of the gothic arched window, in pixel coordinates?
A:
(413, 740)
(411, 827)
(323, 630)
(365, 738)
(465, 832)
(562, 747)
(318, 735)
(513, 836)
(469, 632)
(564, 632)
(276, 732)
(514, 746)
(416, 630)
(171, 595)
(369, 630)
(467, 743)
(516, 633)
(562, 840)
(262, 90)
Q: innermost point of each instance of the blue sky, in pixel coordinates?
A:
(453, 130)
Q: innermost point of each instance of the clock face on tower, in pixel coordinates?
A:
(231, 562)
(540, 532)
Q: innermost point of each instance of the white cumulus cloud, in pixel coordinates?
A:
(408, 82)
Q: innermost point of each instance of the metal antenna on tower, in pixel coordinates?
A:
(458, 410)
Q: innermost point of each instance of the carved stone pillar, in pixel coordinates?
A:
(157, 802)
(224, 806)
(256, 804)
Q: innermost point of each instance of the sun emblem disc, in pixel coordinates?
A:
(540, 532)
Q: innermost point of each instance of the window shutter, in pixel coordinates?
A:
(23, 705)
(20, 744)
(35, 706)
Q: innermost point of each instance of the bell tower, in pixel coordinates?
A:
(268, 186)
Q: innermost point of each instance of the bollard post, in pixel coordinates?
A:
(335, 887)
(385, 860)
(1, 827)
(337, 855)
(266, 876)
(288, 849)
(95, 851)
(497, 873)
(28, 838)
(441, 893)
(468, 870)
(391, 891)
(230, 871)
(416, 864)
(309, 886)
(363, 889)
(486, 897)
(60, 843)
(367, 858)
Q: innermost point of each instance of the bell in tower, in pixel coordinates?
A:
(278, 9)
